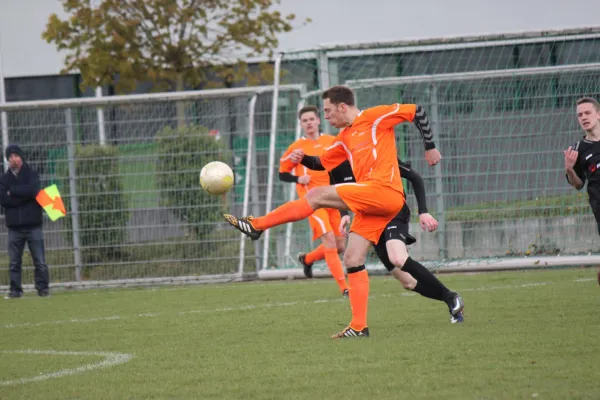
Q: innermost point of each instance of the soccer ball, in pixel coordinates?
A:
(216, 177)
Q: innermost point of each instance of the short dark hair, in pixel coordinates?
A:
(590, 100)
(306, 109)
(339, 94)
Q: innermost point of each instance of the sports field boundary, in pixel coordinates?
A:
(462, 266)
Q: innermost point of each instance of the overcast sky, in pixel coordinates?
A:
(334, 21)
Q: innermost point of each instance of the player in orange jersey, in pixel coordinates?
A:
(367, 141)
(324, 222)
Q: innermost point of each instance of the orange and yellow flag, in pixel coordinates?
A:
(50, 200)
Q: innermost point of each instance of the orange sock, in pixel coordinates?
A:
(291, 211)
(359, 298)
(334, 263)
(315, 255)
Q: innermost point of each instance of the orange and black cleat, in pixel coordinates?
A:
(350, 333)
(244, 225)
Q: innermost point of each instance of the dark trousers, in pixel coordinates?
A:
(595, 205)
(16, 244)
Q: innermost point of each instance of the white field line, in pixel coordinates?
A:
(110, 359)
(260, 306)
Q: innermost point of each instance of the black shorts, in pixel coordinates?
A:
(396, 229)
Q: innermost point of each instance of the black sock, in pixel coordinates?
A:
(427, 291)
(427, 282)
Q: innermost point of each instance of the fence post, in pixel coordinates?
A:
(439, 184)
(247, 180)
(73, 193)
(288, 227)
(100, 114)
(254, 187)
(99, 111)
(324, 84)
(272, 141)
(3, 118)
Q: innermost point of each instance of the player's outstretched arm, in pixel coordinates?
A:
(426, 220)
(312, 162)
(388, 116)
(417, 183)
(421, 121)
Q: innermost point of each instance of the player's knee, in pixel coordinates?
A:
(352, 259)
(322, 197)
(315, 196)
(341, 247)
(328, 240)
(398, 258)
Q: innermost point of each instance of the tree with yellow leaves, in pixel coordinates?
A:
(170, 43)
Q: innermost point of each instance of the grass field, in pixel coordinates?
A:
(527, 335)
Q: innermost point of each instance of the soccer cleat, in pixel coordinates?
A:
(459, 318)
(346, 293)
(349, 333)
(13, 295)
(244, 225)
(307, 267)
(44, 293)
(456, 306)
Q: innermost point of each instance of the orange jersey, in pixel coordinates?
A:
(370, 146)
(312, 148)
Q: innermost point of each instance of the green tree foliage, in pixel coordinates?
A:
(182, 152)
(103, 209)
(170, 43)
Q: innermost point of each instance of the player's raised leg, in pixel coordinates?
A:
(292, 211)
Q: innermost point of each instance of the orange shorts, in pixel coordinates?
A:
(325, 220)
(374, 205)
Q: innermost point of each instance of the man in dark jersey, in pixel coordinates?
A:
(582, 160)
(412, 274)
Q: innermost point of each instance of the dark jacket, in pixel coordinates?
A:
(21, 210)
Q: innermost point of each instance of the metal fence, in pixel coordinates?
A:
(500, 191)
(128, 166)
(131, 182)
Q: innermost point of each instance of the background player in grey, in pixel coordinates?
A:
(582, 160)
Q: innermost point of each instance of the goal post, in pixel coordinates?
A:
(136, 214)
